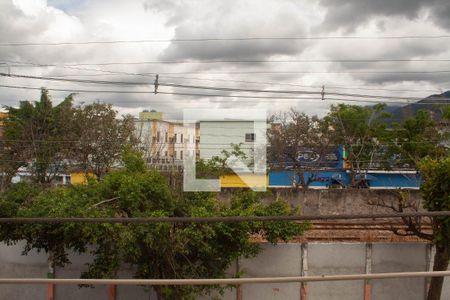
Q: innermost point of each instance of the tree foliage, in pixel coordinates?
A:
(416, 138)
(35, 135)
(290, 133)
(101, 137)
(47, 140)
(361, 130)
(158, 250)
(436, 194)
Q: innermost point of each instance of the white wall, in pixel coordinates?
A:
(216, 136)
(284, 259)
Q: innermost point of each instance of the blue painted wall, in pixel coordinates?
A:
(326, 179)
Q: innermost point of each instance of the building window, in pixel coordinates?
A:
(165, 154)
(175, 154)
(157, 136)
(175, 138)
(181, 154)
(249, 137)
(181, 138)
(166, 137)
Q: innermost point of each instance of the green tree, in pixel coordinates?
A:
(436, 194)
(48, 140)
(217, 165)
(416, 138)
(36, 136)
(362, 131)
(101, 137)
(290, 134)
(158, 250)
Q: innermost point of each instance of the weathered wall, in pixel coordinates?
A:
(282, 260)
(336, 201)
(329, 259)
(401, 258)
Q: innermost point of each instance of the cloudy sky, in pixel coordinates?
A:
(301, 64)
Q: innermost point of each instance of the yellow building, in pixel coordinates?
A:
(2, 116)
(251, 180)
(150, 115)
(80, 177)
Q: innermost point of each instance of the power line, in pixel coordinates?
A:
(282, 72)
(298, 92)
(279, 98)
(239, 61)
(74, 80)
(237, 39)
(221, 80)
(384, 143)
(306, 72)
(216, 219)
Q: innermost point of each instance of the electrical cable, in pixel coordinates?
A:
(301, 92)
(211, 39)
(220, 80)
(239, 61)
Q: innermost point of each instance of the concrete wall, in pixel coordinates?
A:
(34, 265)
(386, 259)
(290, 259)
(333, 260)
(280, 260)
(335, 201)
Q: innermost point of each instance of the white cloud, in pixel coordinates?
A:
(31, 8)
(59, 21)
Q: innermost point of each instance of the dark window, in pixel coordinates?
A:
(249, 137)
(181, 154)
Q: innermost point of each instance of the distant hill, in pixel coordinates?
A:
(431, 103)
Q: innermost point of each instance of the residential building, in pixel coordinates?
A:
(164, 142)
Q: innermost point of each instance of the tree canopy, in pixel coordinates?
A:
(436, 195)
(161, 250)
(49, 140)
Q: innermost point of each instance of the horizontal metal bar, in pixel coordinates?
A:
(224, 281)
(143, 220)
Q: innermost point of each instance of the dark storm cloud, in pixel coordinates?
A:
(351, 13)
(439, 79)
(176, 19)
(441, 11)
(221, 19)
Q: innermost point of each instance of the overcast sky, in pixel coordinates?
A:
(40, 21)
